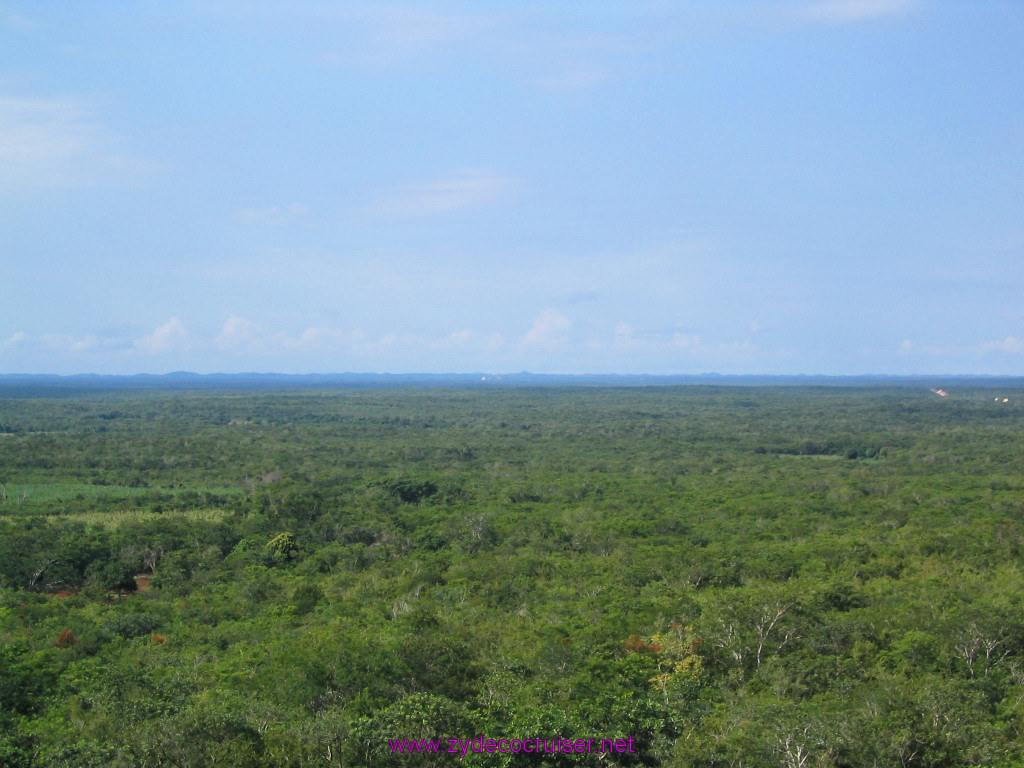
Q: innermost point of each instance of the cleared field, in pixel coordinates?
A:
(122, 516)
(80, 499)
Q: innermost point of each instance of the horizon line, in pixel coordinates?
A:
(490, 375)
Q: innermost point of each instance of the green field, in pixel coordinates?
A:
(730, 576)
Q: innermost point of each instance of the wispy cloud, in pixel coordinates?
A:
(850, 11)
(240, 336)
(625, 339)
(1011, 345)
(243, 338)
(674, 347)
(559, 58)
(566, 61)
(66, 343)
(15, 340)
(464, 189)
(412, 29)
(463, 341)
(576, 77)
(320, 338)
(52, 143)
(17, 23)
(52, 342)
(552, 341)
(275, 216)
(382, 36)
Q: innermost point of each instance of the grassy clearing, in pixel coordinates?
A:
(41, 493)
(119, 517)
(815, 456)
(56, 493)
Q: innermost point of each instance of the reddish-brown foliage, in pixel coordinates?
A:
(66, 639)
(636, 644)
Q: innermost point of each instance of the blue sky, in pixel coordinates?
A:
(795, 186)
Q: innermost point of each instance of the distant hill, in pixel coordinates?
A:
(49, 385)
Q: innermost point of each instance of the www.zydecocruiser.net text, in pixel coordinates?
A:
(484, 745)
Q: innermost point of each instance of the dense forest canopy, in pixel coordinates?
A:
(725, 576)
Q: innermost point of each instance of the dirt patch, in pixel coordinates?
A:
(141, 585)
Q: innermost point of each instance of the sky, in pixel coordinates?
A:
(729, 186)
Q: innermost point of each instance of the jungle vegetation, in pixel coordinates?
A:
(731, 576)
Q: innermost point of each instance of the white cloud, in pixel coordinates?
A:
(463, 341)
(243, 337)
(1010, 345)
(275, 216)
(669, 346)
(469, 340)
(575, 78)
(408, 29)
(469, 188)
(380, 37)
(386, 36)
(60, 342)
(550, 329)
(49, 143)
(849, 11)
(625, 339)
(56, 343)
(685, 341)
(17, 23)
(318, 338)
(908, 347)
(169, 337)
(581, 59)
(16, 339)
(240, 335)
